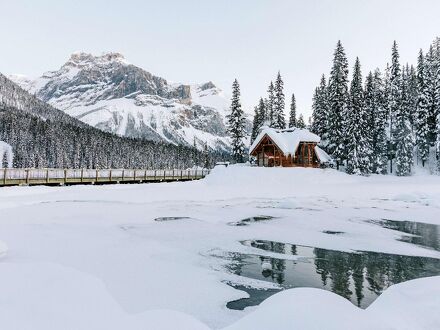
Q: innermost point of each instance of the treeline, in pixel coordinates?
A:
(384, 124)
(42, 136)
(270, 110)
(39, 143)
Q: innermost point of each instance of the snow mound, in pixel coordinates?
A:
(48, 296)
(409, 305)
(305, 308)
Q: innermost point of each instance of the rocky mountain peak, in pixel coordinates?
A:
(82, 59)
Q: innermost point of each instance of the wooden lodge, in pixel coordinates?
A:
(288, 148)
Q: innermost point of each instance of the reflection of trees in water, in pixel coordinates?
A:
(357, 265)
(336, 266)
(278, 266)
(375, 270)
(350, 275)
(237, 263)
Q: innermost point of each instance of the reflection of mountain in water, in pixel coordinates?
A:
(359, 277)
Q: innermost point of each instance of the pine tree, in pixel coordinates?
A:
(422, 133)
(338, 97)
(257, 123)
(300, 122)
(432, 92)
(320, 111)
(358, 144)
(404, 141)
(376, 113)
(270, 103)
(262, 112)
(394, 100)
(413, 93)
(278, 120)
(236, 124)
(206, 158)
(292, 113)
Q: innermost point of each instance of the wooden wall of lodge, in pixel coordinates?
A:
(271, 156)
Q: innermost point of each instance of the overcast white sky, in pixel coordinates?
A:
(197, 41)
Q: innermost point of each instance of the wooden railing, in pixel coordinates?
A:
(14, 176)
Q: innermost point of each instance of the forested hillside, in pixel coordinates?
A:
(42, 136)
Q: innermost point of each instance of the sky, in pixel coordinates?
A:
(195, 41)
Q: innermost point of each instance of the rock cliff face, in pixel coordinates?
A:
(113, 95)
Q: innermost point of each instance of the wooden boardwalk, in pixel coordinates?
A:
(17, 177)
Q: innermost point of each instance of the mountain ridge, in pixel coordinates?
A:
(109, 93)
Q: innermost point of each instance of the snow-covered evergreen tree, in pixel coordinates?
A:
(358, 142)
(292, 113)
(376, 109)
(394, 100)
(263, 112)
(236, 124)
(256, 124)
(432, 93)
(300, 123)
(338, 98)
(422, 132)
(403, 136)
(259, 119)
(278, 120)
(320, 111)
(270, 103)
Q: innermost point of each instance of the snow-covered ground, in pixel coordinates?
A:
(93, 257)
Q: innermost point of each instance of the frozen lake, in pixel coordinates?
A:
(128, 250)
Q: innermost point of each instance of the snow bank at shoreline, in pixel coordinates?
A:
(407, 306)
(86, 304)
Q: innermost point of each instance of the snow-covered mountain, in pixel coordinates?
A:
(109, 93)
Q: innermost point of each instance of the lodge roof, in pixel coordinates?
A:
(286, 139)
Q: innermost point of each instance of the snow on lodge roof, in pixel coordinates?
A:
(287, 140)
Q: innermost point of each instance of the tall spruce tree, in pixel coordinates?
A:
(413, 94)
(376, 109)
(376, 118)
(394, 101)
(236, 124)
(432, 92)
(292, 113)
(338, 98)
(300, 123)
(270, 104)
(278, 120)
(422, 132)
(262, 112)
(256, 124)
(320, 111)
(404, 140)
(358, 142)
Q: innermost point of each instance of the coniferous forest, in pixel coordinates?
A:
(386, 123)
(382, 123)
